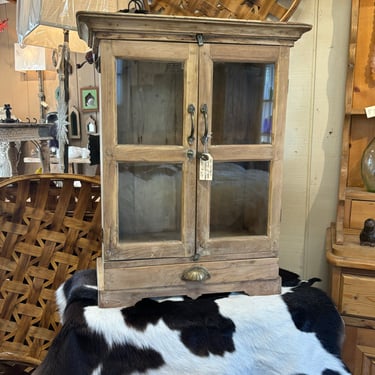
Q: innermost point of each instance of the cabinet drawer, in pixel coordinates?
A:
(120, 283)
(358, 295)
(360, 211)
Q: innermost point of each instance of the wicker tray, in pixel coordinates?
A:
(273, 10)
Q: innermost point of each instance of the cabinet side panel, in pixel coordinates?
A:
(108, 141)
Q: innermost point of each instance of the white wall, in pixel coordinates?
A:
(313, 135)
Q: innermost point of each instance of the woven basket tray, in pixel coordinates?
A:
(50, 226)
(273, 10)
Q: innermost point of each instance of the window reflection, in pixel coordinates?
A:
(242, 103)
(239, 198)
(150, 201)
(149, 102)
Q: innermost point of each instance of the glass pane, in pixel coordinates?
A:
(150, 201)
(239, 198)
(149, 102)
(242, 103)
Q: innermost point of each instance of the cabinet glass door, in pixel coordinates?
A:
(154, 168)
(173, 106)
(241, 115)
(241, 97)
(149, 112)
(149, 102)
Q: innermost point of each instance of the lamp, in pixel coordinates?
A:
(32, 58)
(29, 58)
(39, 22)
(52, 24)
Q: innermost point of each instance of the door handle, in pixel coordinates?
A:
(191, 111)
(204, 111)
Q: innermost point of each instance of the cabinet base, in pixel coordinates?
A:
(252, 276)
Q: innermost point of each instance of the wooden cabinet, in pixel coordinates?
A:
(352, 265)
(192, 128)
(355, 204)
(353, 291)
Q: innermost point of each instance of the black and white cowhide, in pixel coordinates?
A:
(296, 333)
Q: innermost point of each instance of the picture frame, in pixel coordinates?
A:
(89, 99)
(74, 129)
(91, 125)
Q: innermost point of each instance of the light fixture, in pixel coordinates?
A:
(52, 24)
(29, 58)
(39, 22)
(32, 58)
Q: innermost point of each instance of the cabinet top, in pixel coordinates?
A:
(94, 26)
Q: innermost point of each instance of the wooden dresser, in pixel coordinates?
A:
(353, 266)
(353, 291)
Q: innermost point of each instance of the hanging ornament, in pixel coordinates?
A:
(3, 24)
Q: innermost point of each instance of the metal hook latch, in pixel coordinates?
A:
(199, 38)
(203, 155)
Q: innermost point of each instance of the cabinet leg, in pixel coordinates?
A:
(44, 156)
(13, 158)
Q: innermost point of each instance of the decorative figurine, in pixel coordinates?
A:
(8, 113)
(7, 108)
(367, 235)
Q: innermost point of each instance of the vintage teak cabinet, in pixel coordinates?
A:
(353, 265)
(192, 128)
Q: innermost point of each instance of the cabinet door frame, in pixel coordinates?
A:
(115, 153)
(198, 62)
(244, 246)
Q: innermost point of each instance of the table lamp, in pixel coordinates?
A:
(52, 24)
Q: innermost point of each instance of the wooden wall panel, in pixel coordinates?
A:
(313, 135)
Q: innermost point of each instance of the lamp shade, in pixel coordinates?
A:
(29, 58)
(39, 22)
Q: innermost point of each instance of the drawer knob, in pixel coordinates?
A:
(195, 273)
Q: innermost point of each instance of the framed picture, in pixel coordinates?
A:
(74, 129)
(89, 99)
(90, 125)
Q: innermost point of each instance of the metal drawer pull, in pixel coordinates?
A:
(195, 273)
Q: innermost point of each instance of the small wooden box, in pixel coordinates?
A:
(359, 206)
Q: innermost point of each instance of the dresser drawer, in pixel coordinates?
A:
(359, 212)
(358, 295)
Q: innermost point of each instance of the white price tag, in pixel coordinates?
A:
(370, 111)
(206, 167)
